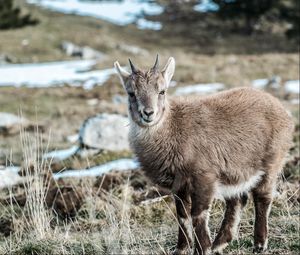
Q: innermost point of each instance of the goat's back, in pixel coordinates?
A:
(237, 130)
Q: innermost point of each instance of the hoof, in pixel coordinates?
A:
(218, 249)
(218, 253)
(259, 249)
(186, 251)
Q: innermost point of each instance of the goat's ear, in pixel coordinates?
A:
(168, 70)
(123, 74)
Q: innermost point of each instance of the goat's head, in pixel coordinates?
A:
(146, 91)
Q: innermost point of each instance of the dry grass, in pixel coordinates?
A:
(110, 222)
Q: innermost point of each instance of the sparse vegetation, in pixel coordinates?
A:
(112, 218)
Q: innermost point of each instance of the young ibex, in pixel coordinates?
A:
(227, 145)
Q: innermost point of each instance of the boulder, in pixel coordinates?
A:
(85, 52)
(5, 59)
(105, 132)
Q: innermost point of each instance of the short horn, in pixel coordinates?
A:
(133, 69)
(156, 64)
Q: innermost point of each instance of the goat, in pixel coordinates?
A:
(227, 144)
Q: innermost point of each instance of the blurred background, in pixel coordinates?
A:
(64, 154)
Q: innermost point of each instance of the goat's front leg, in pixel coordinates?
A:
(201, 200)
(230, 222)
(183, 208)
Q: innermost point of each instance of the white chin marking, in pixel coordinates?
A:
(228, 191)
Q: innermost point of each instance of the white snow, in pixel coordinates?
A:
(260, 83)
(273, 82)
(205, 6)
(147, 24)
(9, 176)
(201, 89)
(61, 154)
(53, 74)
(120, 13)
(118, 165)
(9, 119)
(292, 87)
(73, 138)
(295, 101)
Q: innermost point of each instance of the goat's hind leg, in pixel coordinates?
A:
(263, 197)
(262, 201)
(230, 223)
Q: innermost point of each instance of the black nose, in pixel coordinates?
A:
(148, 112)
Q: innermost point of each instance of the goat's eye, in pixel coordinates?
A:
(162, 92)
(131, 94)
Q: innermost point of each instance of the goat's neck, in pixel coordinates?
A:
(145, 133)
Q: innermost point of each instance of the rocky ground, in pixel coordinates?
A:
(121, 212)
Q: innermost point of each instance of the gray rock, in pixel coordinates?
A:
(6, 59)
(105, 132)
(85, 52)
(10, 123)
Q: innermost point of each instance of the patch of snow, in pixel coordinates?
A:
(274, 83)
(132, 49)
(206, 6)
(295, 101)
(9, 176)
(61, 154)
(292, 87)
(53, 74)
(105, 131)
(9, 119)
(260, 83)
(201, 89)
(173, 84)
(119, 99)
(120, 13)
(73, 138)
(118, 165)
(147, 24)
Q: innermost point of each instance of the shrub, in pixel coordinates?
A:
(10, 16)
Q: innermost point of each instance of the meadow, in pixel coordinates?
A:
(122, 212)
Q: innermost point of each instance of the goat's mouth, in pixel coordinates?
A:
(146, 121)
